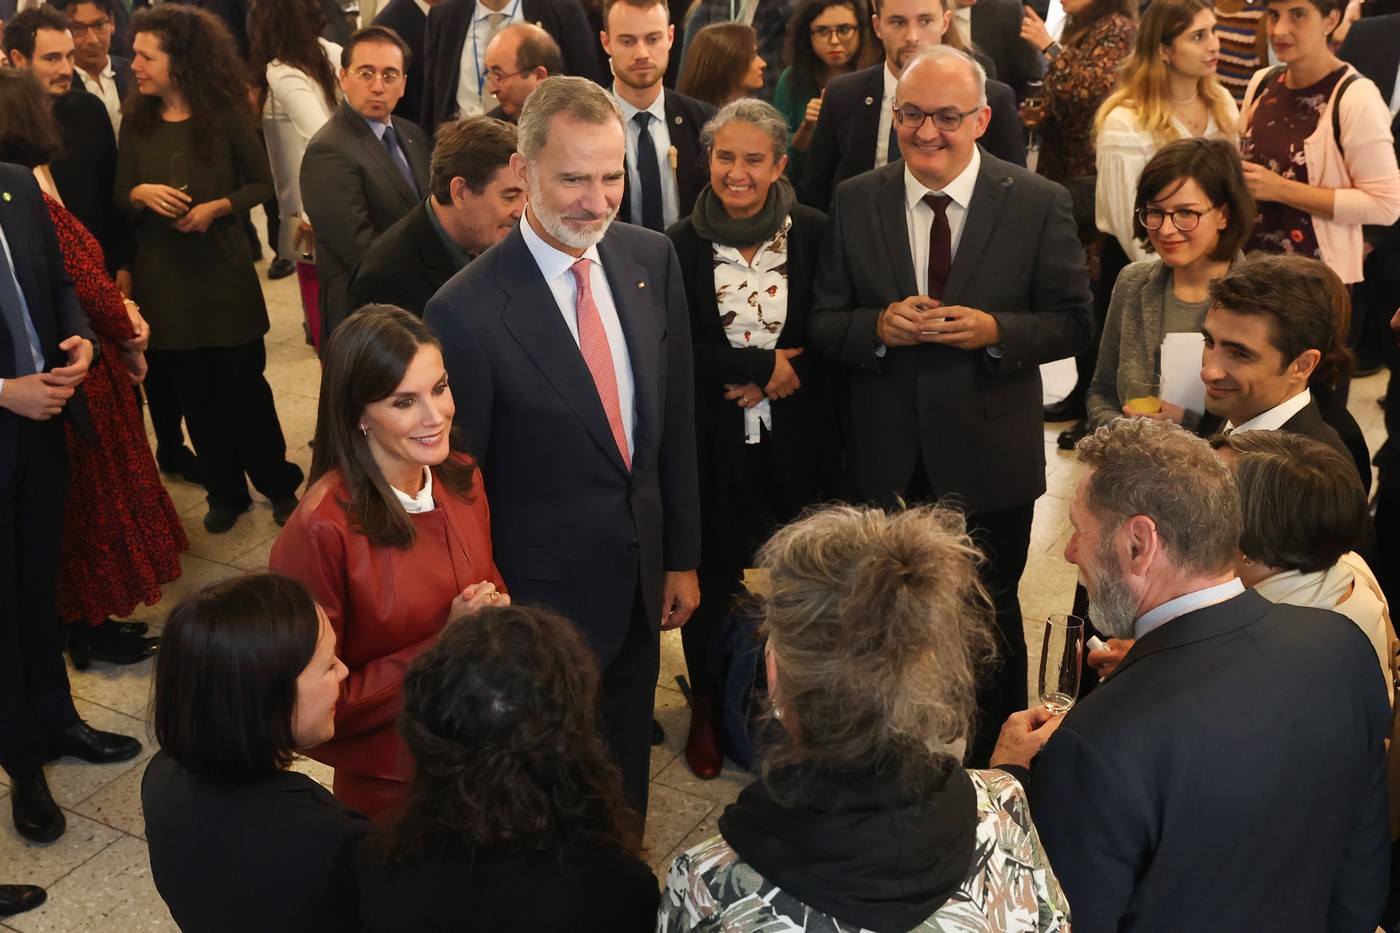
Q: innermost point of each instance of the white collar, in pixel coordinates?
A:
(963, 13)
(483, 12)
(1173, 608)
(891, 81)
(1276, 417)
(959, 189)
(552, 262)
(423, 502)
(422, 5)
(657, 108)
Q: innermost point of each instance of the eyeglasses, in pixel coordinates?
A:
(81, 29)
(911, 117)
(843, 31)
(495, 74)
(1184, 219)
(390, 76)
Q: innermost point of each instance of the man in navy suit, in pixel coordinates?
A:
(855, 131)
(45, 350)
(1230, 773)
(569, 344)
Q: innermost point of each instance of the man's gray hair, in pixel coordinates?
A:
(762, 115)
(1154, 468)
(580, 98)
(946, 53)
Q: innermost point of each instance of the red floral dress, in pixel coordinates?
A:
(122, 537)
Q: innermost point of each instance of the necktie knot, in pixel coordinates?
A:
(495, 21)
(939, 203)
(643, 120)
(579, 270)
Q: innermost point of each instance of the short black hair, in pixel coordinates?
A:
(1293, 293)
(374, 34)
(106, 6)
(474, 149)
(19, 31)
(225, 686)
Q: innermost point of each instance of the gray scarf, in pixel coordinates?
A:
(714, 225)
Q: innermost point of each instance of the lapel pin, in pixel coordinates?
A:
(639, 284)
(8, 196)
(869, 101)
(679, 120)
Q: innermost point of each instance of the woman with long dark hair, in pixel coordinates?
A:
(722, 64)
(393, 536)
(295, 69)
(188, 165)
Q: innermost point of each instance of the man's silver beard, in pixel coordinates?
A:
(554, 223)
(1112, 608)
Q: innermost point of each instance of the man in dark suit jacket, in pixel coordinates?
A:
(855, 128)
(994, 28)
(410, 22)
(638, 40)
(476, 201)
(364, 170)
(941, 325)
(519, 57)
(46, 348)
(458, 32)
(96, 69)
(1230, 773)
(591, 465)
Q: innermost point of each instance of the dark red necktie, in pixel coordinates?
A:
(940, 245)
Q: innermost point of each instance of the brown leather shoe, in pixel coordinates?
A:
(702, 751)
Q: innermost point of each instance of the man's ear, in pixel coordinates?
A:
(1140, 544)
(1305, 363)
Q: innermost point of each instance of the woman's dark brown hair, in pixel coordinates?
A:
(1214, 164)
(204, 68)
(366, 359)
(501, 718)
(28, 134)
(716, 61)
(225, 685)
(808, 69)
(1077, 28)
(287, 31)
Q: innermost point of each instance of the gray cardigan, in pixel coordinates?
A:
(1132, 340)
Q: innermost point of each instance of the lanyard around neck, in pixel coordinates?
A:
(476, 53)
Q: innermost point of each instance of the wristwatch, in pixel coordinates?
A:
(1051, 50)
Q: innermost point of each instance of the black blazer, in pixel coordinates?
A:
(450, 23)
(353, 192)
(685, 118)
(843, 142)
(580, 890)
(1336, 428)
(54, 310)
(121, 75)
(499, 113)
(804, 439)
(274, 854)
(1229, 775)
(404, 17)
(976, 419)
(582, 540)
(405, 266)
(996, 31)
(86, 173)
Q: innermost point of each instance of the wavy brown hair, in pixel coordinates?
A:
(29, 135)
(808, 70)
(501, 718)
(716, 61)
(203, 66)
(878, 627)
(287, 31)
(366, 359)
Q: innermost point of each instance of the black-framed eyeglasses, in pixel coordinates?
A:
(81, 29)
(495, 74)
(842, 31)
(1184, 219)
(911, 117)
(390, 76)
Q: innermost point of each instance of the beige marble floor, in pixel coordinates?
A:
(98, 875)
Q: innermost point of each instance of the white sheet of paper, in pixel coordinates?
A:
(1181, 371)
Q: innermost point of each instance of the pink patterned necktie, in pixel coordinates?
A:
(593, 342)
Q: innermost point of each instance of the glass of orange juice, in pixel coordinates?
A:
(1145, 395)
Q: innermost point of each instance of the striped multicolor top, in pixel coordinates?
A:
(1240, 48)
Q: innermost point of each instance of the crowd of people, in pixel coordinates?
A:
(602, 327)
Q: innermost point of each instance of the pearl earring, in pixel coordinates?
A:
(364, 430)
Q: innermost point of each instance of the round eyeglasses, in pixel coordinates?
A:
(1184, 219)
(841, 31)
(390, 76)
(911, 117)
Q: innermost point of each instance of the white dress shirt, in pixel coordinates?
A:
(883, 156)
(473, 99)
(661, 139)
(962, 22)
(104, 87)
(1275, 417)
(35, 351)
(423, 502)
(554, 265)
(918, 216)
(1174, 608)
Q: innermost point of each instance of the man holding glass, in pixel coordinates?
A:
(365, 169)
(1230, 774)
(946, 279)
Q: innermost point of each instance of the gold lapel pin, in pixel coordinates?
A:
(639, 284)
(8, 197)
(869, 101)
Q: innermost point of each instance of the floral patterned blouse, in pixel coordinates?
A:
(1282, 119)
(1010, 888)
(1077, 81)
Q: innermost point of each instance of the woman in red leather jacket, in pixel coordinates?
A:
(393, 537)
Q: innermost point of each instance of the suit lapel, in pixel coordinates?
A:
(19, 232)
(865, 123)
(1305, 422)
(533, 318)
(634, 296)
(685, 138)
(992, 185)
(411, 143)
(376, 152)
(894, 228)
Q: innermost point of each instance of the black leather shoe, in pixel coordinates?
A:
(17, 898)
(36, 816)
(83, 741)
(1070, 437)
(280, 268)
(110, 642)
(1069, 408)
(658, 734)
(220, 518)
(282, 509)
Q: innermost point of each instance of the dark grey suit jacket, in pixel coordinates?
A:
(1229, 775)
(353, 192)
(996, 31)
(405, 267)
(843, 142)
(975, 418)
(571, 528)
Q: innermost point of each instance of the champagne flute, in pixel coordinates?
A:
(1062, 649)
(1032, 112)
(180, 172)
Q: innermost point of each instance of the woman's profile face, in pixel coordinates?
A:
(1188, 203)
(408, 429)
(742, 167)
(150, 66)
(318, 688)
(753, 78)
(1196, 51)
(835, 36)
